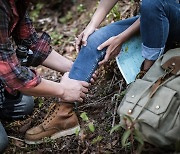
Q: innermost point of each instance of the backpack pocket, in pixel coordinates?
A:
(138, 104)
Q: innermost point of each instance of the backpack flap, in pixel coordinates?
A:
(137, 89)
(137, 104)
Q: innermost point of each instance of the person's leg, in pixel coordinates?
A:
(3, 139)
(12, 107)
(87, 60)
(3, 135)
(15, 107)
(160, 20)
(64, 121)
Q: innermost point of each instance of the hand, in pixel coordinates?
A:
(94, 77)
(114, 46)
(74, 90)
(82, 38)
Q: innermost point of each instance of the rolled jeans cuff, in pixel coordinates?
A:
(151, 53)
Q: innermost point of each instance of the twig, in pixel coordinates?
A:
(96, 102)
(15, 138)
(116, 104)
(120, 86)
(114, 114)
(111, 82)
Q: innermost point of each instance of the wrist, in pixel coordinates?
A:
(122, 38)
(92, 25)
(68, 66)
(60, 91)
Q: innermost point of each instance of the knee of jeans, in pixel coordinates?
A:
(95, 39)
(150, 8)
(3, 139)
(18, 110)
(28, 104)
(93, 42)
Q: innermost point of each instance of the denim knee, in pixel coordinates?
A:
(96, 39)
(28, 105)
(87, 61)
(3, 139)
(150, 8)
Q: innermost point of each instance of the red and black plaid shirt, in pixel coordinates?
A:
(16, 25)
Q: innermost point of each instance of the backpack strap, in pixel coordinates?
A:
(172, 63)
(171, 67)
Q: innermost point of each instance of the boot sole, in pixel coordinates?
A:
(57, 135)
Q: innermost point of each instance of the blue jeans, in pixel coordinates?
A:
(12, 107)
(160, 21)
(87, 60)
(3, 139)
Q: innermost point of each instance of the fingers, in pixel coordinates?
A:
(82, 95)
(66, 75)
(108, 51)
(84, 90)
(84, 84)
(84, 40)
(106, 58)
(92, 80)
(94, 77)
(105, 44)
(96, 72)
(103, 62)
(78, 42)
(80, 100)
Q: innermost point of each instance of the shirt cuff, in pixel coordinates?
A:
(12, 87)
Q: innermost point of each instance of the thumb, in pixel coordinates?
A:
(66, 74)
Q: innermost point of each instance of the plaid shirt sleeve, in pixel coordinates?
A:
(12, 74)
(39, 45)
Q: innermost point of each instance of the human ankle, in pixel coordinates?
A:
(147, 64)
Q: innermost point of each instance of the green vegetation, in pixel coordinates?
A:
(89, 124)
(131, 134)
(114, 14)
(36, 11)
(66, 18)
(56, 37)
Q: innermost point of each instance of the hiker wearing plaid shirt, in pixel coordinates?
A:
(16, 29)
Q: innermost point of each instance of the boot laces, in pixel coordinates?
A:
(52, 111)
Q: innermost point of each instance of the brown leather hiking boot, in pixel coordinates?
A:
(62, 122)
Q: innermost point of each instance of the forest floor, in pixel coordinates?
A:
(64, 21)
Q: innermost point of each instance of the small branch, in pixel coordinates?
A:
(111, 83)
(114, 114)
(116, 104)
(15, 138)
(96, 102)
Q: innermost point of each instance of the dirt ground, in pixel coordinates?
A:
(64, 21)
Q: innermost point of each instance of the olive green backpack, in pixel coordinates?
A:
(155, 99)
